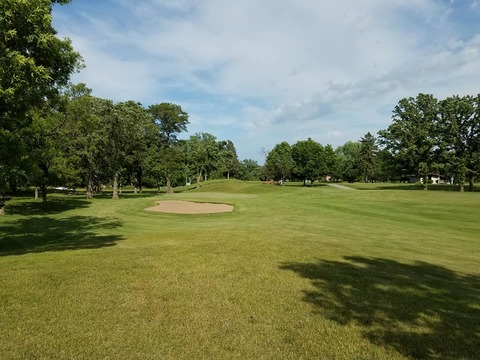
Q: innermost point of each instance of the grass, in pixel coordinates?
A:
(293, 273)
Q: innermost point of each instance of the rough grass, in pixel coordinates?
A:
(293, 273)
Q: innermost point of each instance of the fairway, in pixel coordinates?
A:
(292, 273)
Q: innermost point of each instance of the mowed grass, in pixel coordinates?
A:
(293, 273)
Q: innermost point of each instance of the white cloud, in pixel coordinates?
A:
(276, 70)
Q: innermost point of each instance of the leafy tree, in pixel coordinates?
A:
(279, 163)
(459, 136)
(228, 158)
(48, 163)
(347, 167)
(367, 156)
(34, 65)
(203, 154)
(249, 170)
(329, 160)
(85, 136)
(387, 169)
(122, 132)
(413, 135)
(169, 120)
(308, 158)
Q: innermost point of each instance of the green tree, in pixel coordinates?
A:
(307, 156)
(34, 63)
(49, 165)
(228, 158)
(122, 133)
(169, 120)
(279, 163)
(459, 137)
(249, 170)
(34, 66)
(367, 156)
(329, 160)
(413, 135)
(347, 167)
(85, 136)
(203, 154)
(388, 169)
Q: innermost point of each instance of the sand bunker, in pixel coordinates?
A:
(188, 207)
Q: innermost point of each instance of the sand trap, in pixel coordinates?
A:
(188, 207)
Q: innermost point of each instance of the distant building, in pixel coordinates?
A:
(432, 179)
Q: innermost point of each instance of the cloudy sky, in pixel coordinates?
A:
(259, 72)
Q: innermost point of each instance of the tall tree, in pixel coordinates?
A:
(279, 163)
(123, 132)
(347, 166)
(308, 156)
(170, 120)
(203, 154)
(459, 137)
(85, 136)
(228, 157)
(249, 170)
(413, 135)
(48, 161)
(367, 156)
(329, 160)
(34, 65)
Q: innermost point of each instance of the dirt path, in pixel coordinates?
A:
(338, 186)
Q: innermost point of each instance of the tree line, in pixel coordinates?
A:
(90, 142)
(427, 136)
(53, 133)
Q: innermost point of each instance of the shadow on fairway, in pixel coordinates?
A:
(424, 311)
(41, 234)
(54, 206)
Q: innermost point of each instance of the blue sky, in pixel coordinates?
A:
(259, 72)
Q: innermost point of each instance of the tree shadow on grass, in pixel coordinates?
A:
(53, 206)
(423, 311)
(41, 234)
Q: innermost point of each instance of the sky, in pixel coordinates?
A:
(259, 72)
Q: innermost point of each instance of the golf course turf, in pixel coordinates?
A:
(292, 273)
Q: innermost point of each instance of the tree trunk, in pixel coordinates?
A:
(44, 197)
(425, 183)
(199, 176)
(205, 176)
(169, 186)
(2, 210)
(139, 180)
(158, 189)
(461, 187)
(115, 187)
(89, 191)
(36, 192)
(470, 183)
(228, 175)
